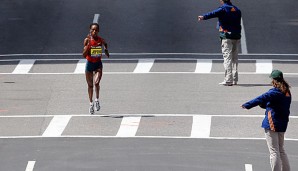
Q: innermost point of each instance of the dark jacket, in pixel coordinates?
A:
(277, 105)
(229, 20)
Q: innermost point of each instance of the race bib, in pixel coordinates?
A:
(96, 52)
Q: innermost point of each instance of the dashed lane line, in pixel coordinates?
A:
(96, 18)
(30, 166)
(248, 167)
(243, 39)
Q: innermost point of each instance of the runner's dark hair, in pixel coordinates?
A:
(94, 24)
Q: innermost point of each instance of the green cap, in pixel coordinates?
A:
(276, 74)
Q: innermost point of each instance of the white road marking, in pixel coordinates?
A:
(129, 73)
(130, 124)
(24, 66)
(134, 115)
(263, 66)
(128, 127)
(243, 39)
(96, 17)
(147, 54)
(201, 126)
(203, 66)
(144, 66)
(56, 126)
(248, 167)
(30, 166)
(160, 137)
(80, 68)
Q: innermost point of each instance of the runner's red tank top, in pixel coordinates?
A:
(96, 48)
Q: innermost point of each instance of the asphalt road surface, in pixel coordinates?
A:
(162, 107)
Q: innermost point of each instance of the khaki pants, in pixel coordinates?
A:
(278, 157)
(229, 48)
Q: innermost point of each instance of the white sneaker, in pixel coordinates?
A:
(226, 83)
(97, 105)
(91, 109)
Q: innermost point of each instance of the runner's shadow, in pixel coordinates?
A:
(254, 85)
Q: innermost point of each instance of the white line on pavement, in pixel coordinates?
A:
(56, 126)
(134, 59)
(30, 166)
(243, 39)
(24, 66)
(144, 66)
(160, 137)
(203, 66)
(96, 17)
(263, 66)
(248, 167)
(128, 73)
(134, 115)
(201, 126)
(147, 54)
(128, 127)
(80, 69)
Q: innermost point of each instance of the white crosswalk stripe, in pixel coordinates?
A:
(80, 68)
(203, 66)
(56, 126)
(24, 66)
(200, 66)
(248, 167)
(144, 66)
(200, 126)
(128, 127)
(30, 166)
(263, 66)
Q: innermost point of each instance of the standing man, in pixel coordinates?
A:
(229, 25)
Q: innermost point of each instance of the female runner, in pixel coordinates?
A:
(93, 48)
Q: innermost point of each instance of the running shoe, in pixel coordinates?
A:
(91, 109)
(97, 105)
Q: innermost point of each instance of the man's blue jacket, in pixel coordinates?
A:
(277, 105)
(229, 20)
